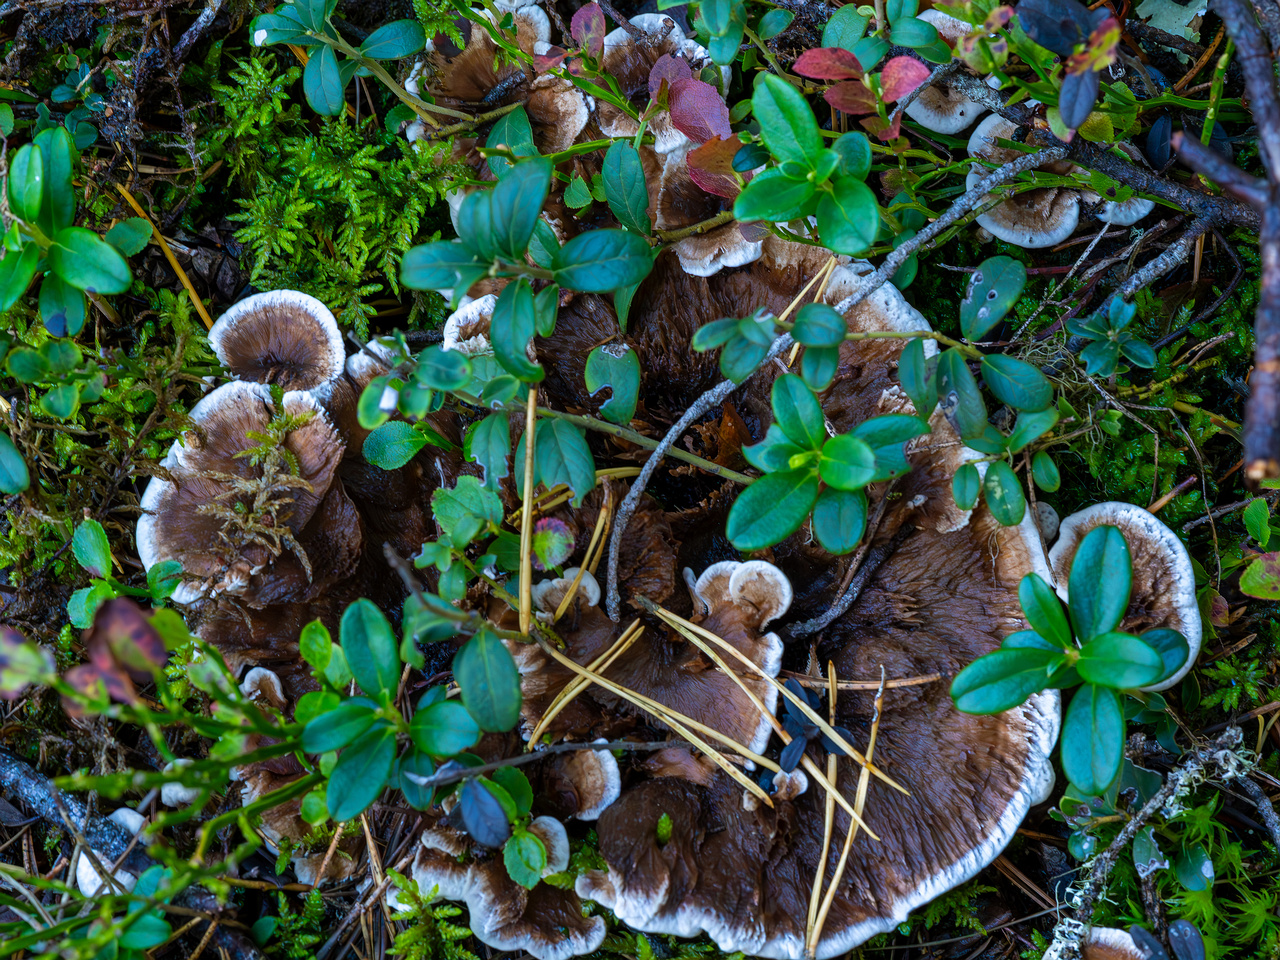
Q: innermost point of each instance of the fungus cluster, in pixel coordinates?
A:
(276, 519)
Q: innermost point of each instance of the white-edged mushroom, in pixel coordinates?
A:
(467, 328)
(280, 337)
(938, 107)
(682, 203)
(1101, 943)
(548, 594)
(1163, 595)
(175, 794)
(1031, 219)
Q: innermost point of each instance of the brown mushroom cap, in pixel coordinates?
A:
(1163, 594)
(682, 203)
(546, 921)
(946, 595)
(282, 337)
(1031, 219)
(939, 107)
(193, 517)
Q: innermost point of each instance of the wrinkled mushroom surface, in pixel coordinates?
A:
(1163, 594)
(1101, 943)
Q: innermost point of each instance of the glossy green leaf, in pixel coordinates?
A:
(61, 401)
(91, 549)
(361, 774)
(845, 28)
(1045, 472)
(511, 327)
(1120, 661)
(340, 726)
(1257, 517)
(393, 444)
(436, 266)
(847, 463)
(1031, 426)
(58, 211)
(773, 23)
(616, 366)
(315, 645)
(130, 236)
(1016, 382)
(515, 204)
(391, 41)
(965, 486)
(1194, 867)
(840, 520)
(773, 453)
(958, 392)
(914, 33)
(489, 681)
(916, 378)
(1099, 583)
(561, 455)
(602, 260)
(26, 183)
(1004, 495)
(16, 273)
(1043, 610)
(525, 858)
(488, 443)
(625, 188)
(443, 729)
(322, 83)
(818, 366)
(415, 763)
(1001, 680)
(818, 325)
(1172, 647)
(62, 307)
(370, 646)
(798, 413)
(14, 477)
(854, 152)
(1093, 739)
(443, 369)
(786, 120)
(517, 786)
(848, 217)
(869, 51)
(771, 509)
(772, 196)
(510, 132)
(87, 262)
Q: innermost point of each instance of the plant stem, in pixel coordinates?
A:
(478, 120)
(719, 220)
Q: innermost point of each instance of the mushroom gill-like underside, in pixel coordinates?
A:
(945, 595)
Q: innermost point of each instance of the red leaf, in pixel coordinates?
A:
(670, 69)
(711, 167)
(900, 76)
(123, 635)
(588, 28)
(542, 62)
(852, 96)
(891, 131)
(828, 63)
(698, 111)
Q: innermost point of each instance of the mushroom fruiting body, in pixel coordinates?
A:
(1101, 943)
(682, 203)
(241, 525)
(281, 337)
(938, 107)
(946, 594)
(1040, 217)
(547, 922)
(1164, 584)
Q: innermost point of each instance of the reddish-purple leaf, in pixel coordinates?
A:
(588, 28)
(851, 96)
(828, 63)
(22, 662)
(670, 69)
(711, 167)
(542, 62)
(122, 627)
(900, 76)
(698, 111)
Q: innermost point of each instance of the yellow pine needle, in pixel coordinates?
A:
(860, 800)
(168, 254)
(802, 706)
(668, 716)
(601, 520)
(618, 473)
(606, 513)
(810, 767)
(526, 521)
(825, 271)
(864, 684)
(579, 683)
(829, 817)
